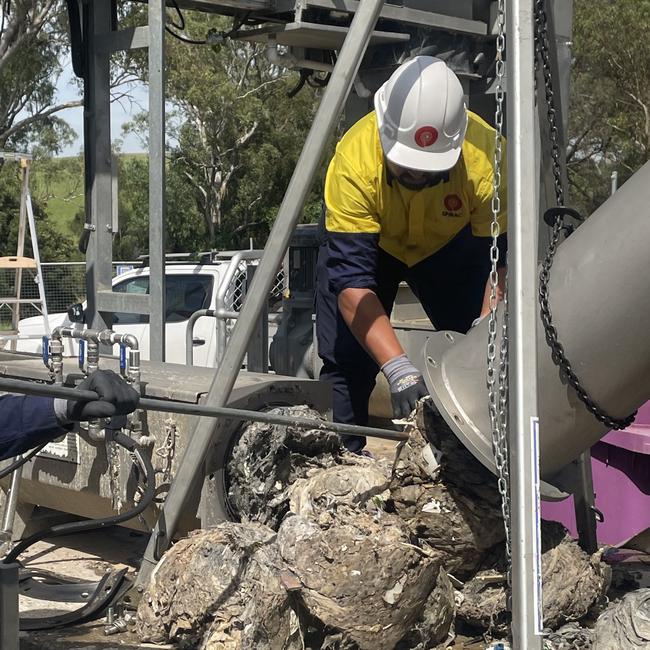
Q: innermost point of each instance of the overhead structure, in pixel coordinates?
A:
(349, 45)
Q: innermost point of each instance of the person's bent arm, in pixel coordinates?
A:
(365, 316)
(26, 421)
(367, 319)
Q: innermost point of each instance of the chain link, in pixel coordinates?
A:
(497, 373)
(551, 335)
(168, 449)
(113, 455)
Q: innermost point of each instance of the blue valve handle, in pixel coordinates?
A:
(122, 358)
(82, 353)
(45, 350)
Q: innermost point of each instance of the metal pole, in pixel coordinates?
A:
(11, 502)
(190, 469)
(614, 185)
(522, 270)
(20, 249)
(97, 151)
(37, 258)
(170, 406)
(157, 179)
(583, 502)
(9, 617)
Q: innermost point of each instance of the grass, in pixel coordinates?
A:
(58, 185)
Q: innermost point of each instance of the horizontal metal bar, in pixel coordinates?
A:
(20, 301)
(129, 303)
(169, 406)
(411, 16)
(13, 155)
(124, 39)
(226, 6)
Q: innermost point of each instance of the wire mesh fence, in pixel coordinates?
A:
(64, 284)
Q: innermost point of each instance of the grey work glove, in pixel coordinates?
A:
(406, 385)
(116, 397)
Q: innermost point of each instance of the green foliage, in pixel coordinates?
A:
(235, 134)
(58, 186)
(28, 78)
(185, 226)
(52, 247)
(610, 104)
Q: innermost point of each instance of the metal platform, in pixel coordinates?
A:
(313, 36)
(71, 476)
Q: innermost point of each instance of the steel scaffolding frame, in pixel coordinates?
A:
(522, 206)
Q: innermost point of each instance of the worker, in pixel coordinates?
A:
(27, 422)
(408, 197)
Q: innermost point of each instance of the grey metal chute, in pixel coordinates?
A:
(601, 307)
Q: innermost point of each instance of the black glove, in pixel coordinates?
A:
(116, 397)
(406, 385)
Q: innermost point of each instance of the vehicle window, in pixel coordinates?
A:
(139, 285)
(184, 294)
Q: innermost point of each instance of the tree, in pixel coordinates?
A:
(610, 105)
(235, 133)
(186, 230)
(33, 41)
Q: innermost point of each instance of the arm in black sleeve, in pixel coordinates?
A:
(25, 423)
(352, 261)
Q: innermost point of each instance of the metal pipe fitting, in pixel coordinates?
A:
(109, 337)
(189, 333)
(220, 305)
(56, 359)
(92, 356)
(95, 430)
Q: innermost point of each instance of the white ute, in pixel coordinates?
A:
(189, 287)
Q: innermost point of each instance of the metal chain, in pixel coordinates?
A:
(168, 449)
(497, 377)
(112, 452)
(551, 335)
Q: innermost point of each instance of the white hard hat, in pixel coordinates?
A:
(421, 115)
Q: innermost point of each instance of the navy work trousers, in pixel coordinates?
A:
(450, 285)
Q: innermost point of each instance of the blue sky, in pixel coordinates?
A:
(121, 112)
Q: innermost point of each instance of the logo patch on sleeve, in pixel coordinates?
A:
(453, 202)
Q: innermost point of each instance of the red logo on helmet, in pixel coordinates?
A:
(425, 136)
(453, 202)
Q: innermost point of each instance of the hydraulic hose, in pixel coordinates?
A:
(94, 524)
(21, 461)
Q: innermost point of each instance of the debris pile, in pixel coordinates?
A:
(267, 459)
(453, 507)
(625, 623)
(340, 552)
(573, 582)
(220, 589)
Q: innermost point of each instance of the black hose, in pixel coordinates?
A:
(94, 524)
(5, 471)
(76, 39)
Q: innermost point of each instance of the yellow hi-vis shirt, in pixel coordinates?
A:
(411, 224)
